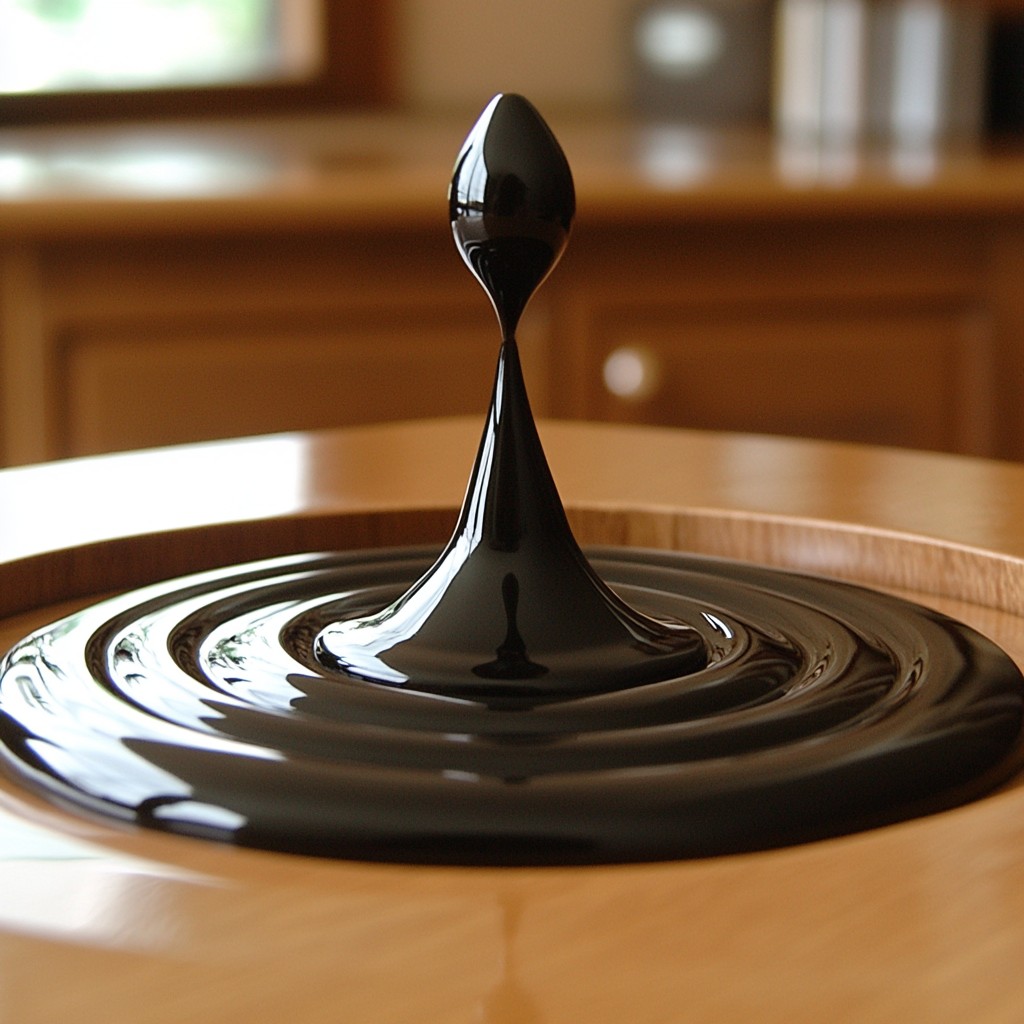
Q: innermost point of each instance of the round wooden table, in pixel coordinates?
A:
(921, 921)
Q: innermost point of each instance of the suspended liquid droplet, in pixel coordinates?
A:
(511, 204)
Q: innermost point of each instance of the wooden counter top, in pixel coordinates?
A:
(922, 921)
(358, 172)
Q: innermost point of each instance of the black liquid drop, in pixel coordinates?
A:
(511, 204)
(510, 701)
(460, 630)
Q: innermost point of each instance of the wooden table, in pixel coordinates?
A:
(922, 921)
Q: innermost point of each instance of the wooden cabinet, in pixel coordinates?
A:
(245, 336)
(875, 311)
(142, 342)
(877, 332)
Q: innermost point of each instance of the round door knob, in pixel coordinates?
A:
(632, 373)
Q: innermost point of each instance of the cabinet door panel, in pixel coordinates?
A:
(911, 376)
(141, 387)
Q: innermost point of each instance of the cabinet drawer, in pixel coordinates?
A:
(911, 375)
(165, 384)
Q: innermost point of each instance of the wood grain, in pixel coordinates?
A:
(922, 921)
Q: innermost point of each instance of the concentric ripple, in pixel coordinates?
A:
(199, 707)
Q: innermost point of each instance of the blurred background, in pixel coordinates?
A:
(702, 59)
(221, 217)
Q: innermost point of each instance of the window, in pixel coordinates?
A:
(64, 60)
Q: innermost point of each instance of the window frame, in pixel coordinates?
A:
(357, 70)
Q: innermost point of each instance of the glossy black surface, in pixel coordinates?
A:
(509, 701)
(199, 707)
(511, 204)
(511, 611)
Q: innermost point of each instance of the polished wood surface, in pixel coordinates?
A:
(356, 170)
(922, 921)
